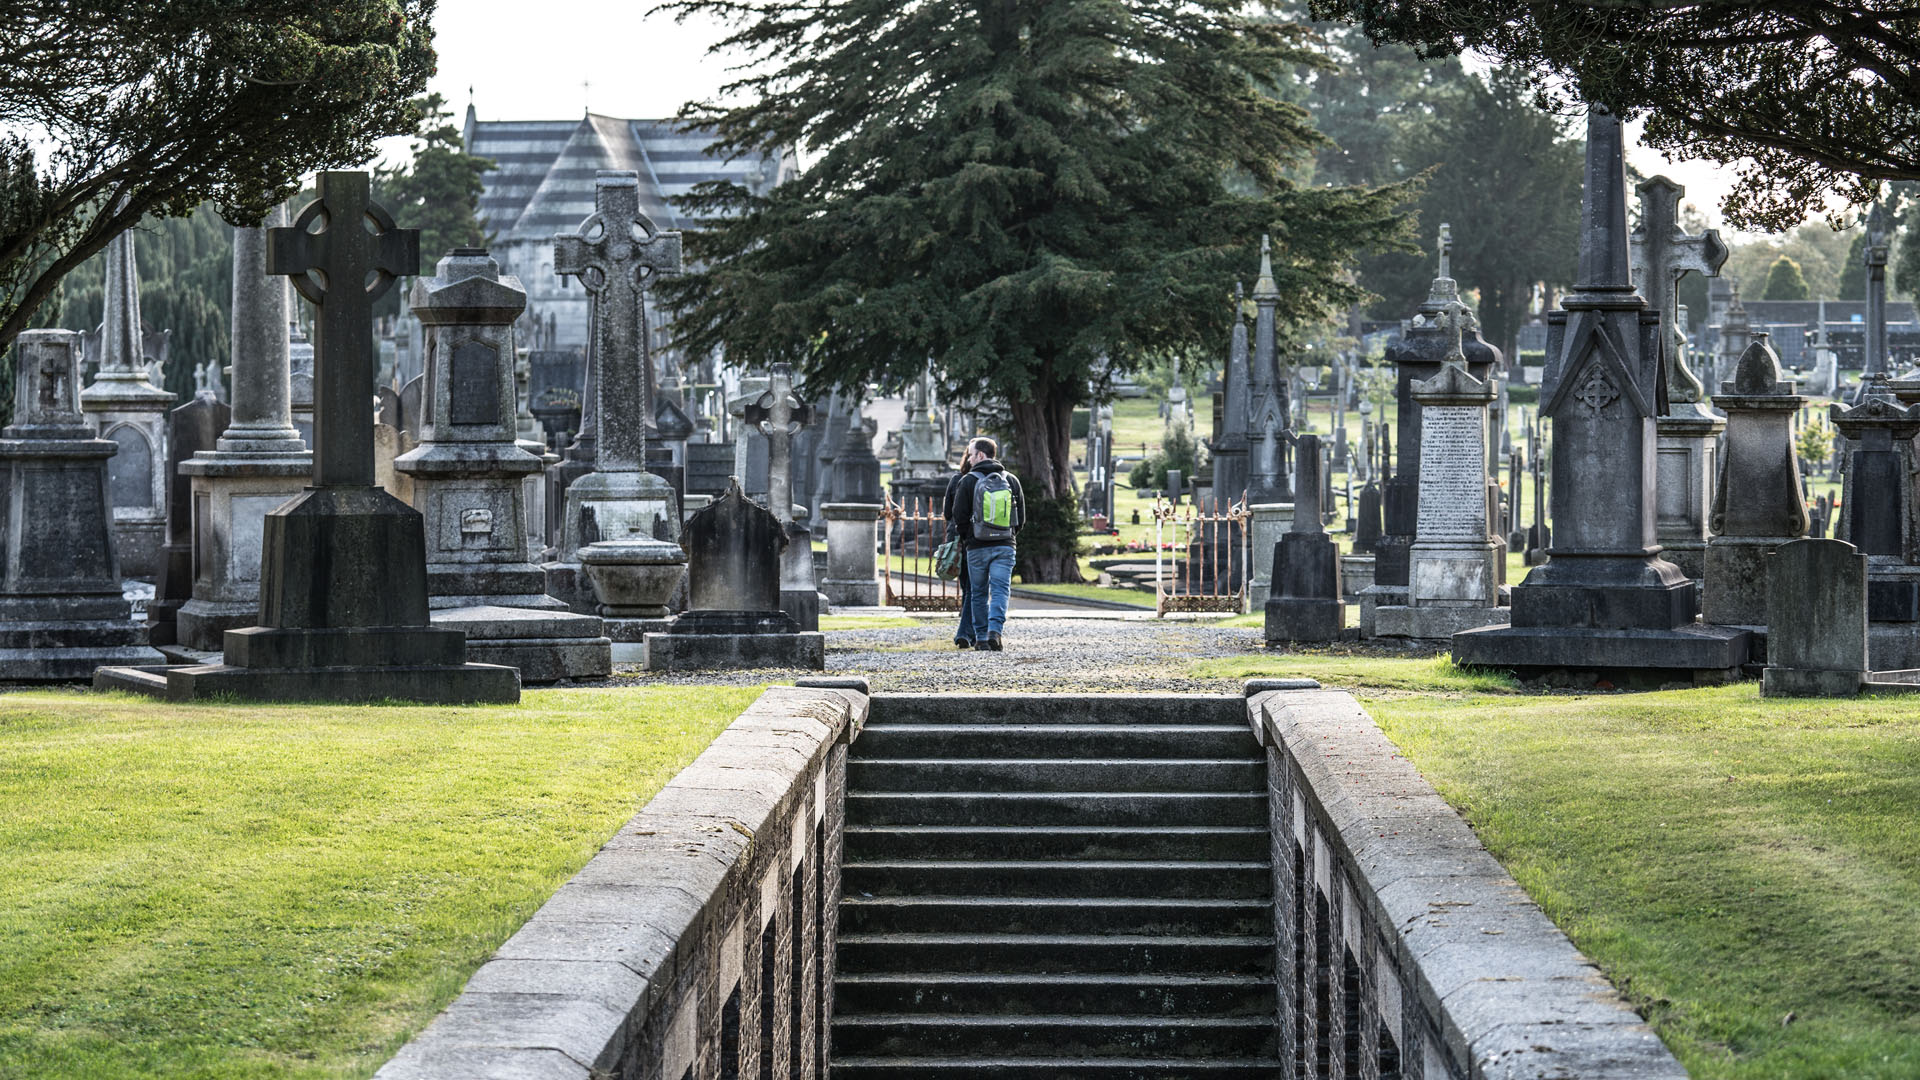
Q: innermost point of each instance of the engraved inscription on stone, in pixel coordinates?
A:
(130, 472)
(1453, 479)
(476, 393)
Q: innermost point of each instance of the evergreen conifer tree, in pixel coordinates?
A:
(1024, 191)
(1784, 281)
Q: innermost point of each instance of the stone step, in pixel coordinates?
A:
(1057, 774)
(1070, 954)
(1056, 842)
(881, 1067)
(1076, 995)
(1056, 808)
(1178, 917)
(1058, 878)
(1065, 1036)
(1054, 741)
(1025, 709)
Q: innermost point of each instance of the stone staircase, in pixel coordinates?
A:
(1068, 887)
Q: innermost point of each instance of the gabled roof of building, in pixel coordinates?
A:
(543, 175)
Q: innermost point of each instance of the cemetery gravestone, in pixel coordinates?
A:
(1757, 504)
(856, 471)
(733, 618)
(124, 407)
(1267, 400)
(1231, 478)
(257, 464)
(191, 428)
(469, 477)
(343, 592)
(1878, 502)
(1604, 600)
(61, 610)
(1305, 602)
(1817, 620)
(779, 414)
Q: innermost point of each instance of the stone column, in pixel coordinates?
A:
(124, 407)
(1757, 505)
(469, 479)
(61, 611)
(258, 463)
(852, 564)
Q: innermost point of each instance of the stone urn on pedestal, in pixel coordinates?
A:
(634, 581)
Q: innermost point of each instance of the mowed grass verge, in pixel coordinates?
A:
(292, 891)
(1747, 871)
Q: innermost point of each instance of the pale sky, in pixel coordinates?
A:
(551, 60)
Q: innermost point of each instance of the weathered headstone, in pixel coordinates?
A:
(1877, 503)
(1817, 620)
(1604, 600)
(556, 392)
(1305, 602)
(61, 610)
(733, 617)
(191, 428)
(856, 471)
(258, 463)
(851, 562)
(778, 415)
(126, 408)
(1757, 505)
(1662, 253)
(469, 478)
(343, 581)
(1454, 581)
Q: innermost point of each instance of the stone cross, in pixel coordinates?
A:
(343, 252)
(1446, 250)
(1661, 252)
(616, 253)
(1874, 255)
(779, 414)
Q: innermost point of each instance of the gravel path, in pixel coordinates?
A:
(1042, 654)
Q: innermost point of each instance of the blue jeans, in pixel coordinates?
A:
(990, 575)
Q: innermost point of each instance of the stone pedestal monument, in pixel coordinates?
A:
(1757, 504)
(778, 415)
(1231, 480)
(124, 407)
(257, 464)
(61, 610)
(1604, 600)
(1267, 399)
(1878, 504)
(1454, 575)
(615, 254)
(1662, 253)
(469, 480)
(343, 581)
(856, 471)
(733, 617)
(1305, 601)
(852, 558)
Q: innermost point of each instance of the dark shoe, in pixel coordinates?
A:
(993, 642)
(963, 643)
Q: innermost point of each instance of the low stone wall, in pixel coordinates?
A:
(1404, 950)
(697, 943)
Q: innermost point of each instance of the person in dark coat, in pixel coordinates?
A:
(989, 551)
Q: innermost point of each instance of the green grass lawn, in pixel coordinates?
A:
(292, 891)
(1747, 871)
(866, 622)
(1134, 597)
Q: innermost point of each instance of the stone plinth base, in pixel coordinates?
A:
(1708, 652)
(1624, 607)
(855, 593)
(232, 493)
(803, 606)
(1375, 597)
(805, 651)
(138, 543)
(1356, 577)
(568, 583)
(1734, 589)
(1291, 619)
(1433, 622)
(69, 651)
(545, 646)
(203, 625)
(1893, 646)
(1800, 682)
(402, 663)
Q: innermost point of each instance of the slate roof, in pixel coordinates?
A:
(542, 180)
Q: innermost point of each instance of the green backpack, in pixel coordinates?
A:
(993, 511)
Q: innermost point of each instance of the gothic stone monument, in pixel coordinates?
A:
(1605, 600)
(61, 611)
(343, 581)
(1757, 505)
(122, 405)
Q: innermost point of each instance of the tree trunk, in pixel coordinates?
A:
(1043, 432)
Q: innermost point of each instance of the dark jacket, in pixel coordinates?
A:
(960, 504)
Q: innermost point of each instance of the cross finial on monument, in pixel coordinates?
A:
(1446, 250)
(616, 253)
(1662, 251)
(343, 252)
(1264, 286)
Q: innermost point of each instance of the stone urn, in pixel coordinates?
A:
(634, 578)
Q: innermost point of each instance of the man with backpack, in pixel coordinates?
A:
(988, 510)
(963, 634)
